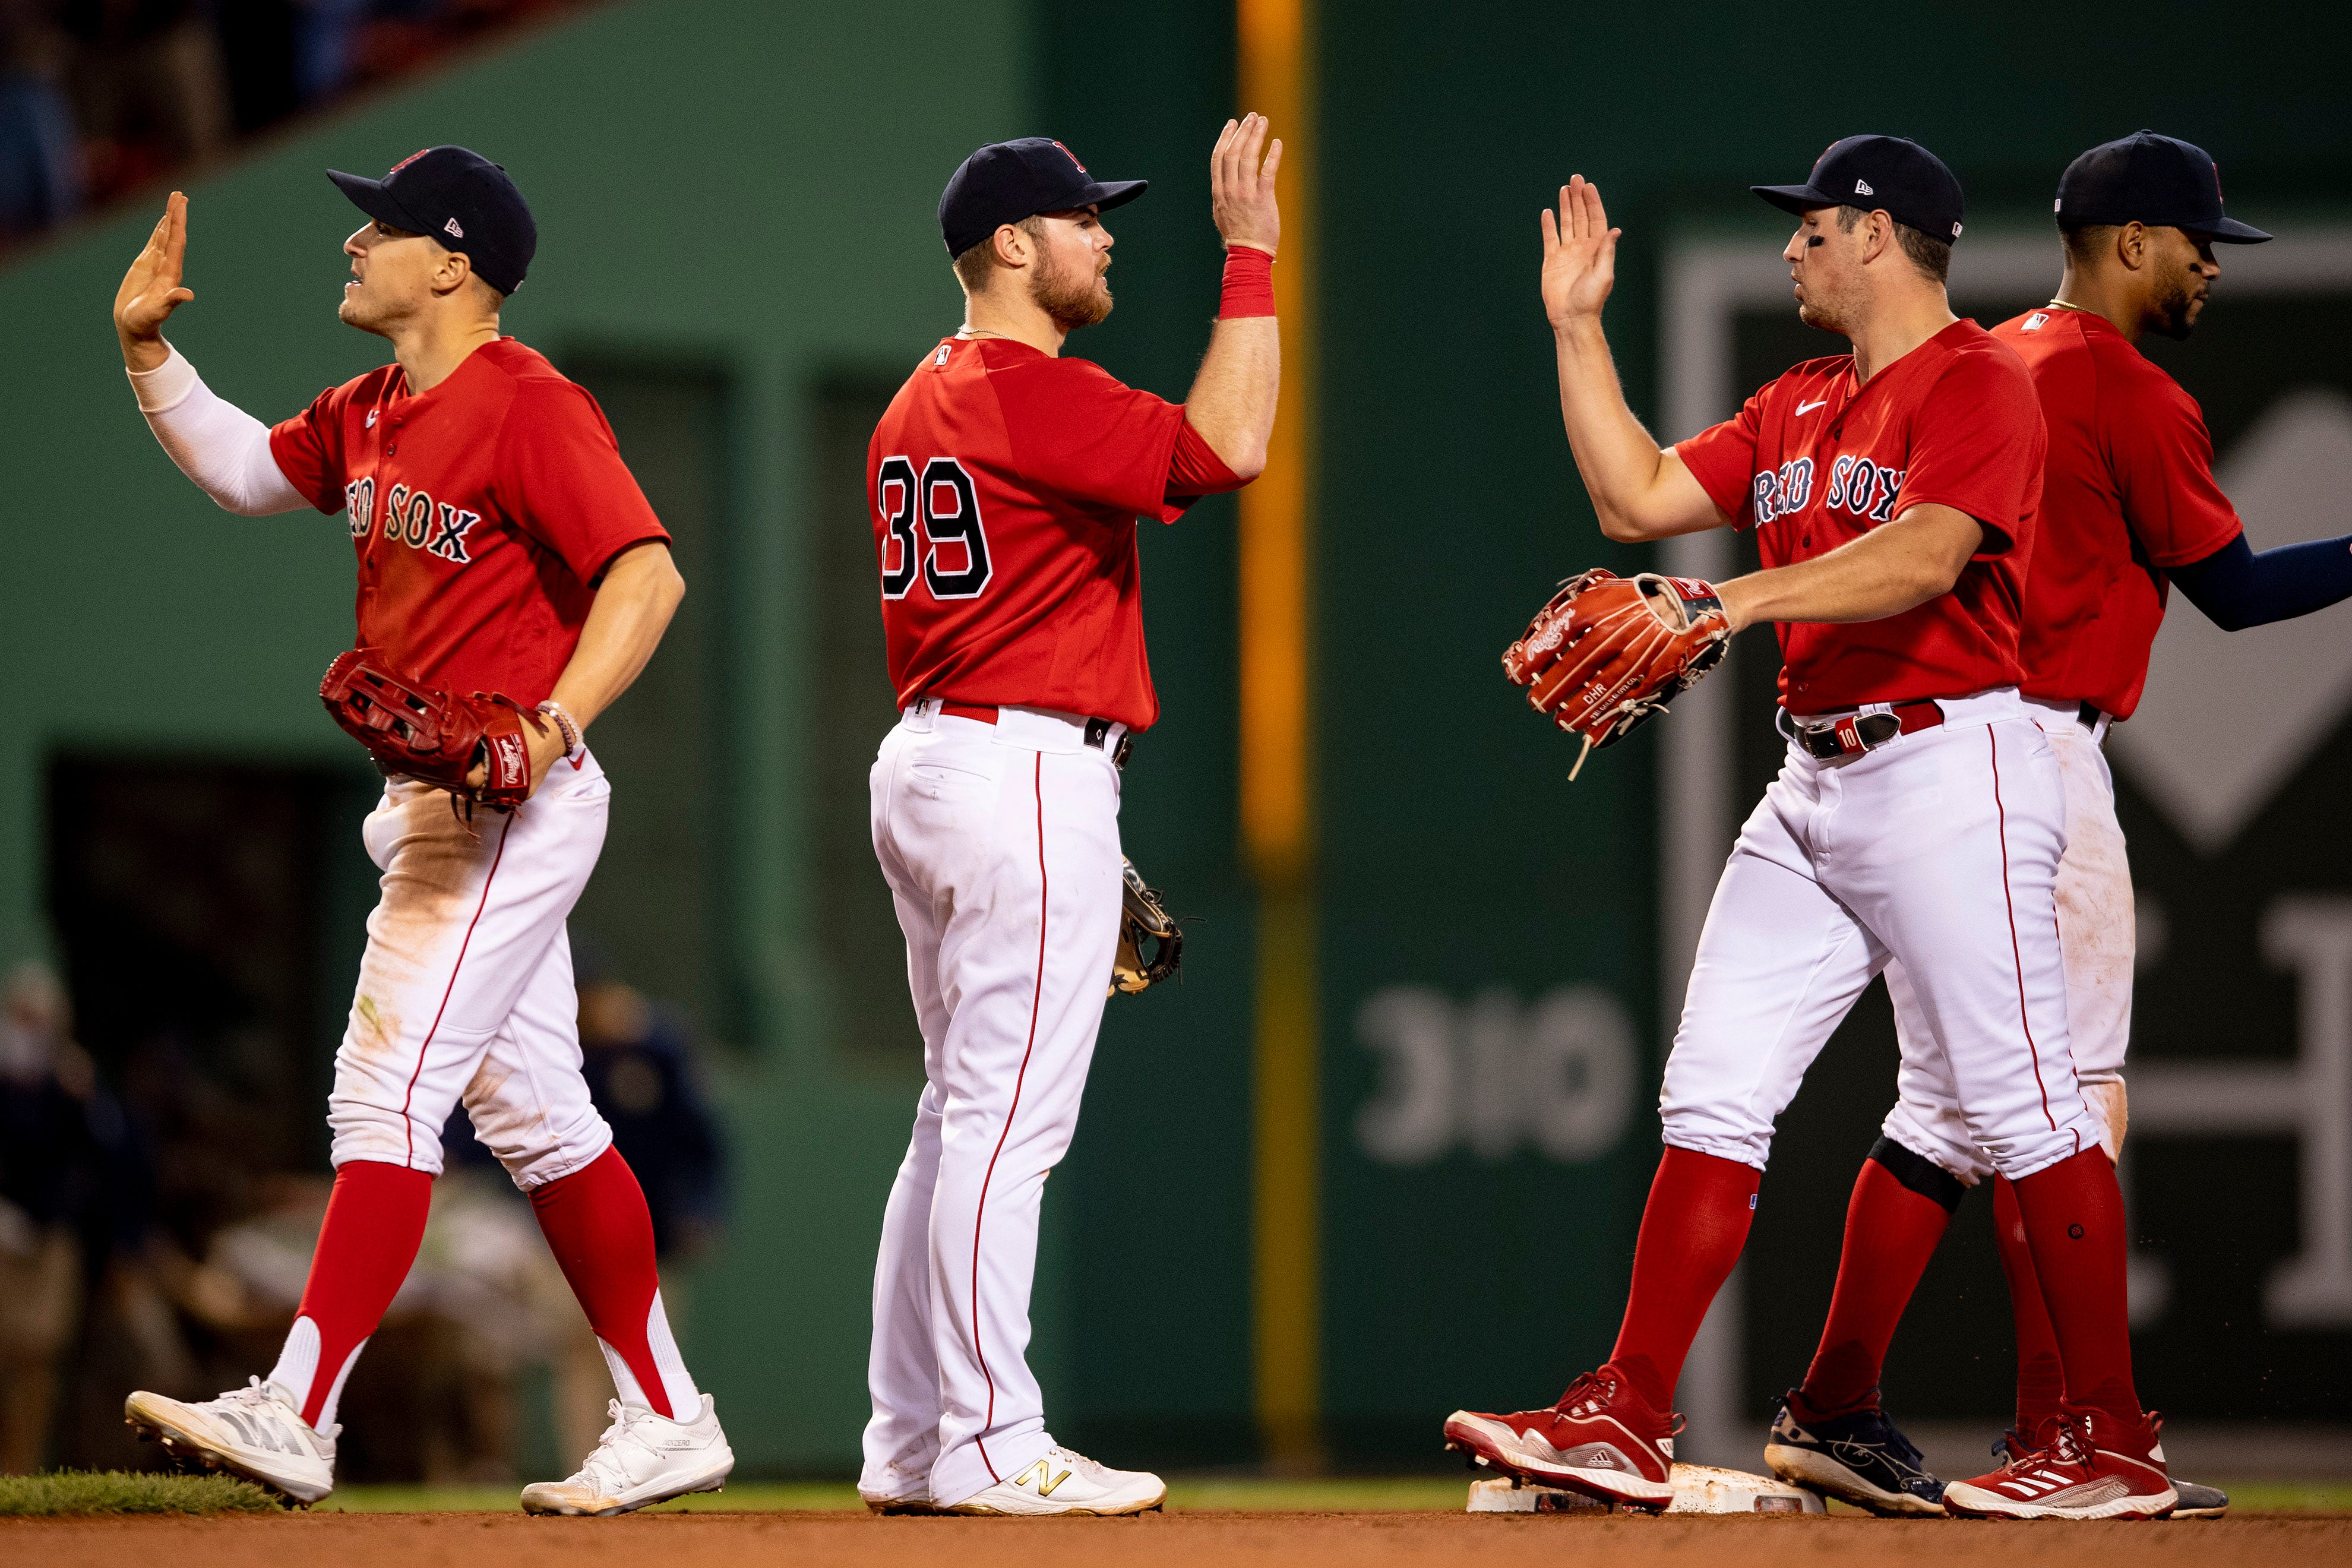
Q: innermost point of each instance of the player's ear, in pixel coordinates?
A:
(2131, 245)
(1013, 247)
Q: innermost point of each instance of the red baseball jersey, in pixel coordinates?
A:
(1005, 484)
(2127, 493)
(484, 512)
(1816, 460)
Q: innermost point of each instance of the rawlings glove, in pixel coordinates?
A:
(1609, 651)
(1142, 919)
(433, 737)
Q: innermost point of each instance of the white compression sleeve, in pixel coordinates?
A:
(219, 445)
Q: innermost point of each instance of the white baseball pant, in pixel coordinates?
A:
(2098, 928)
(1940, 849)
(1000, 846)
(465, 991)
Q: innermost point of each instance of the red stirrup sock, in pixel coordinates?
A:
(1892, 1227)
(1692, 1230)
(596, 1222)
(375, 1221)
(2041, 1380)
(2074, 1214)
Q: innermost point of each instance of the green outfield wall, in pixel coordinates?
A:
(738, 253)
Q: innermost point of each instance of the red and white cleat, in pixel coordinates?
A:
(1600, 1439)
(2094, 1466)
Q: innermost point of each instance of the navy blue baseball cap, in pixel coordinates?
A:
(461, 199)
(1005, 182)
(1879, 173)
(2160, 181)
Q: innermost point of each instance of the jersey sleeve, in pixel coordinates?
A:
(1077, 432)
(309, 449)
(1722, 458)
(1978, 445)
(561, 479)
(2153, 437)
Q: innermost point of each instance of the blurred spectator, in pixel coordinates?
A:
(102, 97)
(639, 1058)
(40, 153)
(61, 1144)
(151, 87)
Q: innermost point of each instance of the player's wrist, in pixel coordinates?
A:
(1741, 601)
(1248, 284)
(572, 733)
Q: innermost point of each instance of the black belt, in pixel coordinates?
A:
(1859, 733)
(1098, 729)
(2088, 716)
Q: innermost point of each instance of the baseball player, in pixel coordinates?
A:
(1920, 816)
(2128, 502)
(1005, 482)
(503, 547)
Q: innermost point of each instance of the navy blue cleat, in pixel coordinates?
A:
(1859, 1458)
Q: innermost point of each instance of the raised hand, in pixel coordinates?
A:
(1580, 254)
(1241, 185)
(150, 290)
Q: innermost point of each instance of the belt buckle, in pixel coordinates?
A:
(1851, 735)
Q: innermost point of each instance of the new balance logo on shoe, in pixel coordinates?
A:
(1038, 1472)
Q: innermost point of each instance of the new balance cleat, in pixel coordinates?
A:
(253, 1432)
(2095, 1467)
(1858, 1458)
(1063, 1481)
(642, 1460)
(893, 1507)
(1600, 1439)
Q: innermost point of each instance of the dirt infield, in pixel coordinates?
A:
(716, 1539)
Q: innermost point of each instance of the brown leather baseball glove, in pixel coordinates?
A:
(1143, 922)
(433, 737)
(1609, 652)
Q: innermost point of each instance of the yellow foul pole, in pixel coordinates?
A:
(1276, 804)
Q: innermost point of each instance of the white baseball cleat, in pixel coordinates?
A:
(643, 1459)
(1065, 1481)
(254, 1432)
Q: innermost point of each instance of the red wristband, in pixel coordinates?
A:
(1249, 284)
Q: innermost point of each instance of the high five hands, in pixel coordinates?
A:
(150, 290)
(1241, 185)
(1579, 255)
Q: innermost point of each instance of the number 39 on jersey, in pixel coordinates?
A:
(932, 529)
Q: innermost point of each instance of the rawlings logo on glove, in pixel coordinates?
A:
(433, 737)
(1609, 652)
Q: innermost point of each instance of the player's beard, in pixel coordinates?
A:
(2177, 304)
(1072, 301)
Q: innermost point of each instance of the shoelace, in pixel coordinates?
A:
(1591, 1388)
(263, 1399)
(1905, 1449)
(608, 1469)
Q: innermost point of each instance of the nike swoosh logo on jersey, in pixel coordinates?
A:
(1808, 407)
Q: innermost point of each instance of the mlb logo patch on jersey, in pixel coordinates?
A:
(2033, 322)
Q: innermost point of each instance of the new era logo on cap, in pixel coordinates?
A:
(452, 227)
(1887, 173)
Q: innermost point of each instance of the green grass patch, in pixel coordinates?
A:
(2300, 1497)
(61, 1493)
